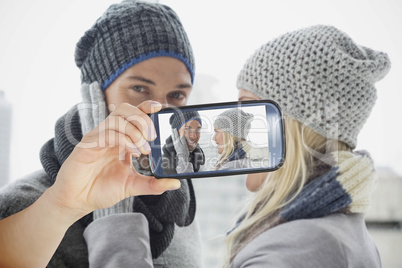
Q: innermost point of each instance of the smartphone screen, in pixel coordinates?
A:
(218, 139)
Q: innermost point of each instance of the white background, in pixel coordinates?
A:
(39, 76)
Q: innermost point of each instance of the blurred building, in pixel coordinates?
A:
(5, 139)
(384, 219)
(219, 200)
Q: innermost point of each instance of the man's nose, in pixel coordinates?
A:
(193, 135)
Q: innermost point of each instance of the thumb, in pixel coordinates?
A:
(163, 185)
(148, 185)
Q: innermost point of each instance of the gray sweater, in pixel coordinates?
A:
(334, 241)
(184, 250)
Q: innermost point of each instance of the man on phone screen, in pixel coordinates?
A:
(182, 153)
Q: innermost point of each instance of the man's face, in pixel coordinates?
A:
(191, 131)
(163, 79)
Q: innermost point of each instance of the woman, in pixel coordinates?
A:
(231, 129)
(134, 60)
(310, 212)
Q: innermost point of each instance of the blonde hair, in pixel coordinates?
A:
(281, 186)
(230, 144)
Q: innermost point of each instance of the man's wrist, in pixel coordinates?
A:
(61, 211)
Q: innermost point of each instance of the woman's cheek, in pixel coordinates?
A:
(254, 181)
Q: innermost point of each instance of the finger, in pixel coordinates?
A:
(148, 185)
(116, 131)
(138, 118)
(123, 142)
(145, 148)
(150, 106)
(95, 146)
(124, 127)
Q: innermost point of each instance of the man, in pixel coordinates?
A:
(182, 153)
(135, 60)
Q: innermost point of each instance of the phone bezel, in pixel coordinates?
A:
(156, 144)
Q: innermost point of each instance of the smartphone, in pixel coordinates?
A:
(218, 139)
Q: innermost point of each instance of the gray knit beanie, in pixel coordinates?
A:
(320, 77)
(234, 121)
(128, 33)
(179, 118)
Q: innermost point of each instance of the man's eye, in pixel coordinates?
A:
(177, 95)
(138, 88)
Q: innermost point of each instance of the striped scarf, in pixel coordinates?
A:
(344, 187)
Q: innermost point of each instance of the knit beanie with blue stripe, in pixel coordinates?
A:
(179, 118)
(129, 33)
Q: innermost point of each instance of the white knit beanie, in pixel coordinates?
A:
(235, 122)
(320, 77)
